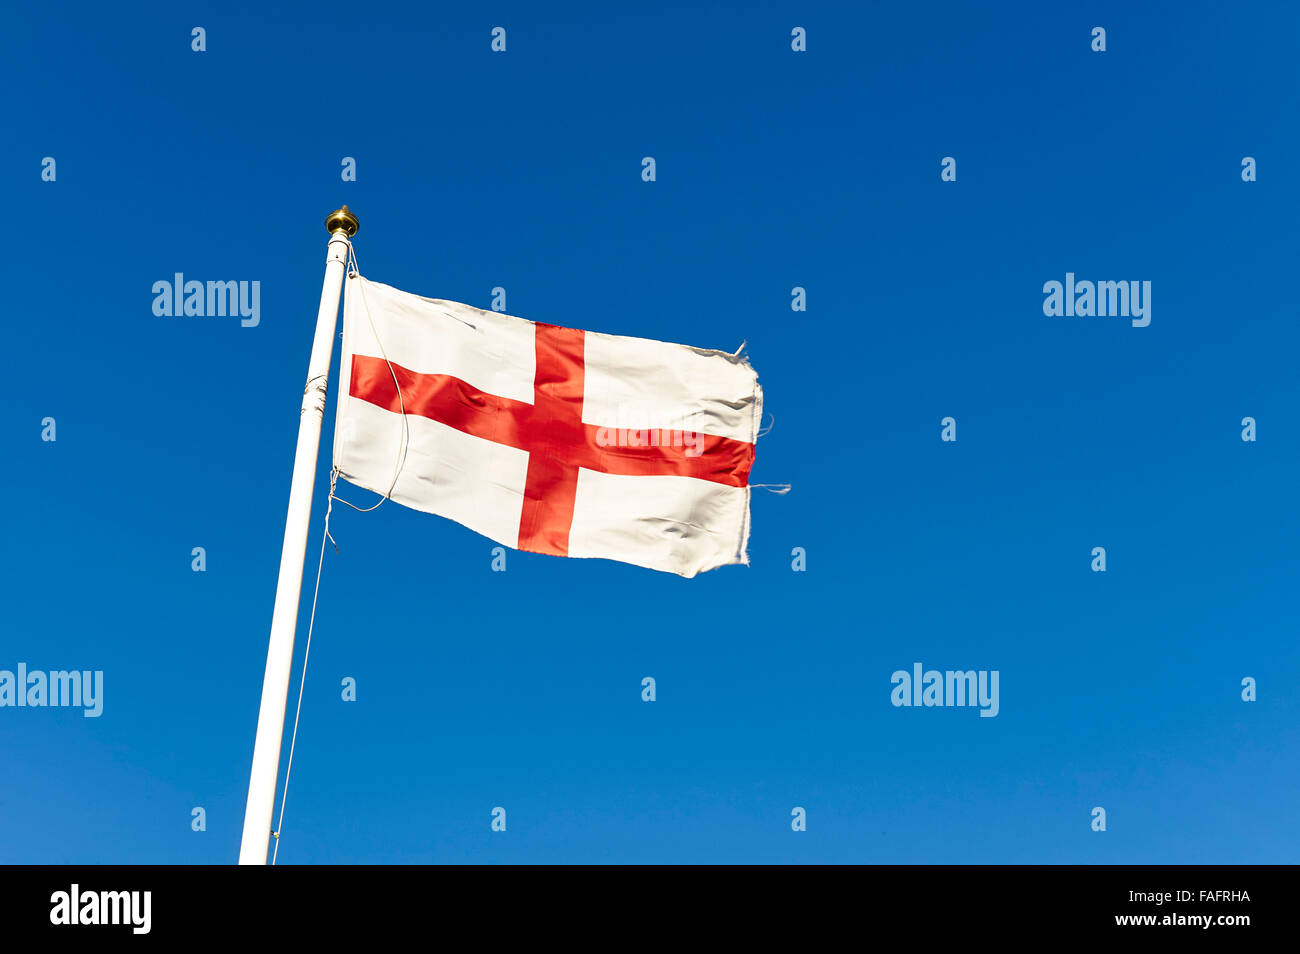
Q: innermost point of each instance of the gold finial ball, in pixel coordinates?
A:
(342, 220)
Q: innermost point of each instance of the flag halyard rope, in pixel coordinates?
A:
(354, 272)
(302, 679)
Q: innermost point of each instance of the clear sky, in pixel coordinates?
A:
(774, 169)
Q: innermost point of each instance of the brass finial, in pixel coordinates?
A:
(342, 220)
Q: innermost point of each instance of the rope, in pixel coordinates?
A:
(355, 272)
(302, 683)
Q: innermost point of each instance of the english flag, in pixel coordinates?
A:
(548, 439)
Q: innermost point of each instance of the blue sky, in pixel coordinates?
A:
(775, 169)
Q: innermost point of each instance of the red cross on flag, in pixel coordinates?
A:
(544, 438)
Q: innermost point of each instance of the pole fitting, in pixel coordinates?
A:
(342, 220)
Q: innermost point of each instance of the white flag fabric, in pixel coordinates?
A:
(548, 439)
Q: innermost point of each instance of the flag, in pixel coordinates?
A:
(548, 439)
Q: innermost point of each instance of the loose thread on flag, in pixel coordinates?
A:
(779, 489)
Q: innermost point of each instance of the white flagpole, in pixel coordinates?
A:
(342, 225)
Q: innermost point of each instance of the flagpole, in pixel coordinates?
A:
(342, 225)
